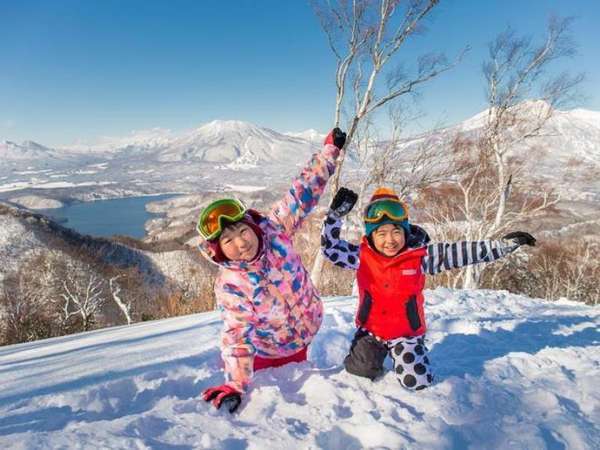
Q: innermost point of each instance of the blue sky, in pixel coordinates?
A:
(83, 69)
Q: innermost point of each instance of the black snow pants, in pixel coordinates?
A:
(409, 354)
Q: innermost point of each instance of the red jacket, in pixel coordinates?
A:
(391, 293)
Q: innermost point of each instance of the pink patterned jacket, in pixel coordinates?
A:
(269, 306)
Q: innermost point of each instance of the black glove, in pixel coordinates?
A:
(417, 237)
(336, 137)
(339, 138)
(520, 238)
(342, 203)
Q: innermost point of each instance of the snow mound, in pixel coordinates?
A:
(512, 372)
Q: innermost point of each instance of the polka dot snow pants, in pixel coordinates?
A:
(411, 363)
(409, 354)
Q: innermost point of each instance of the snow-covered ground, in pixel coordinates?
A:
(37, 202)
(37, 184)
(17, 241)
(512, 372)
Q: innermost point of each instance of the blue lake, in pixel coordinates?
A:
(125, 216)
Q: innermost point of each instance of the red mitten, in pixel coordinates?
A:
(223, 395)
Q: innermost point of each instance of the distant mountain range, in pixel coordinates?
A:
(569, 134)
(566, 154)
(569, 152)
(27, 151)
(219, 141)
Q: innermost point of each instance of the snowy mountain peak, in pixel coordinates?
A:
(231, 129)
(27, 150)
(311, 135)
(224, 126)
(234, 142)
(33, 145)
(527, 108)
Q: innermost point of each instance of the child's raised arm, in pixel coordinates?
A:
(340, 252)
(307, 188)
(453, 255)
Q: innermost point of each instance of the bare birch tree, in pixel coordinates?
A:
(23, 315)
(82, 295)
(365, 37)
(26, 312)
(522, 95)
(406, 164)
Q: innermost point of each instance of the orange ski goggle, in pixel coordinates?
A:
(393, 209)
(213, 218)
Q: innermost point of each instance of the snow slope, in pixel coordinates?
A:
(512, 372)
(17, 241)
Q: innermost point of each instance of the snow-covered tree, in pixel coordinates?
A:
(82, 295)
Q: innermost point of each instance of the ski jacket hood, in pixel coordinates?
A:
(211, 250)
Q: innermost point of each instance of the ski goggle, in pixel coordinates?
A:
(212, 218)
(393, 209)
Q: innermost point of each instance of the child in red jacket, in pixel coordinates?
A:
(391, 263)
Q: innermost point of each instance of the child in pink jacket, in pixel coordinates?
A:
(271, 311)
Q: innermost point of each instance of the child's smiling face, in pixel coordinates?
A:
(388, 239)
(239, 242)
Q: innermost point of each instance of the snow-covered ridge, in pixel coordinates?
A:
(565, 156)
(152, 137)
(311, 135)
(592, 117)
(512, 372)
(27, 150)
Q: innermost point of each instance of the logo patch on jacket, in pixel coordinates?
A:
(409, 271)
